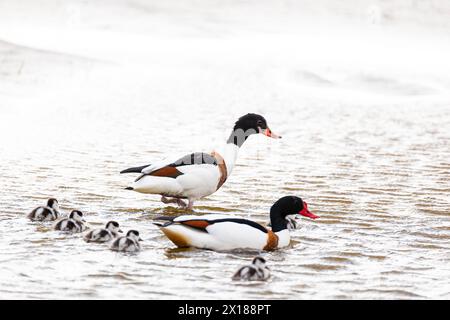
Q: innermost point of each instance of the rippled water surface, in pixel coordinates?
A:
(367, 148)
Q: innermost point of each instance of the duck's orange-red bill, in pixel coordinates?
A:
(306, 213)
(270, 134)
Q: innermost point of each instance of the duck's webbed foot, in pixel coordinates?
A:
(167, 200)
(179, 202)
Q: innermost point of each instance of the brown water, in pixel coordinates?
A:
(367, 149)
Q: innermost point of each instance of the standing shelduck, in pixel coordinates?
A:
(49, 212)
(221, 232)
(198, 174)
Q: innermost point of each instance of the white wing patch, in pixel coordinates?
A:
(238, 235)
(156, 165)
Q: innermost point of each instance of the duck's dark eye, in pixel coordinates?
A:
(259, 123)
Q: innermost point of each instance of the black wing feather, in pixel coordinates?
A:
(194, 158)
(243, 221)
(189, 159)
(168, 221)
(134, 169)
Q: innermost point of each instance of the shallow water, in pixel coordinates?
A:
(367, 149)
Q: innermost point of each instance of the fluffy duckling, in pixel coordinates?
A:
(106, 234)
(128, 243)
(74, 223)
(256, 271)
(49, 212)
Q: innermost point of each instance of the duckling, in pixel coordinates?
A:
(129, 243)
(74, 223)
(49, 212)
(256, 271)
(106, 234)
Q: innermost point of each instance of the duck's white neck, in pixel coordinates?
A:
(284, 238)
(229, 152)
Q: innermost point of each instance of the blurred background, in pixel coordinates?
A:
(359, 90)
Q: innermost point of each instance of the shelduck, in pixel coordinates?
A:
(257, 271)
(128, 243)
(106, 234)
(46, 213)
(74, 223)
(222, 232)
(198, 174)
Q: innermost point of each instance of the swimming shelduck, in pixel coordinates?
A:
(106, 234)
(129, 243)
(256, 271)
(74, 223)
(45, 213)
(222, 232)
(198, 174)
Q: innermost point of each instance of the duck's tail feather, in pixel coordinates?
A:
(159, 224)
(164, 221)
(134, 169)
